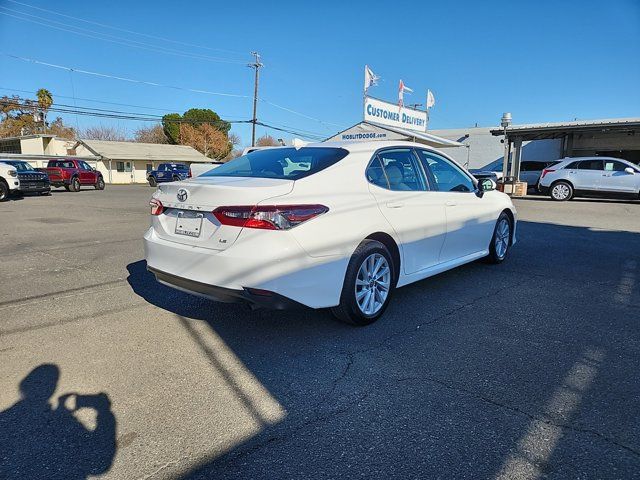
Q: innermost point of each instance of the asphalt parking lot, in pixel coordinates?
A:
(528, 369)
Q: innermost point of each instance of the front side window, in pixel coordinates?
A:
(280, 163)
(447, 176)
(613, 166)
(85, 166)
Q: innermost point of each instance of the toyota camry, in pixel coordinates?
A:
(328, 225)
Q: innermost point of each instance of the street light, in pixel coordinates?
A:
(505, 122)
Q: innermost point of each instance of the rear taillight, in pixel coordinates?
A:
(189, 175)
(156, 206)
(268, 217)
(545, 171)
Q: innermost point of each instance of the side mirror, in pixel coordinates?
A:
(485, 185)
(630, 170)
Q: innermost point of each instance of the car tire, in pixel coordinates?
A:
(365, 283)
(45, 194)
(561, 191)
(4, 191)
(501, 239)
(152, 182)
(99, 184)
(74, 186)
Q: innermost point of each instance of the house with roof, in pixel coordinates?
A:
(119, 162)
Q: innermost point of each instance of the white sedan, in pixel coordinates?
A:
(337, 225)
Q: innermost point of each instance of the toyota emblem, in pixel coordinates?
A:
(182, 194)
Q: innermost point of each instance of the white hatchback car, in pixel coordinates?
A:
(335, 225)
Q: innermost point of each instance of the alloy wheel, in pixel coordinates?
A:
(373, 283)
(502, 238)
(560, 191)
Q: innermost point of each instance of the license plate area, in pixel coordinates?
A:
(189, 223)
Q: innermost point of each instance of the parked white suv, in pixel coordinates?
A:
(591, 176)
(9, 182)
(336, 225)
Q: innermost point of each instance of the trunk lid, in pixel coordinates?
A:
(190, 221)
(54, 173)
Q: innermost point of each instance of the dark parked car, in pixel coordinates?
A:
(168, 172)
(530, 171)
(31, 180)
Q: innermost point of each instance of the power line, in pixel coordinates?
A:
(124, 79)
(154, 84)
(125, 116)
(125, 30)
(71, 109)
(300, 134)
(299, 114)
(93, 100)
(118, 40)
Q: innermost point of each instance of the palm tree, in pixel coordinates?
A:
(45, 100)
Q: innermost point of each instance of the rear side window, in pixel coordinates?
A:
(396, 169)
(590, 165)
(281, 163)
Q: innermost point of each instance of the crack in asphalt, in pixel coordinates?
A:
(382, 344)
(300, 426)
(542, 419)
(29, 299)
(344, 373)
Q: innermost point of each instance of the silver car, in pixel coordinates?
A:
(591, 176)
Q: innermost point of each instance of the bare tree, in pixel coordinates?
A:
(206, 139)
(267, 141)
(104, 132)
(153, 134)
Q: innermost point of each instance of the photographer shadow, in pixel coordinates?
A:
(39, 440)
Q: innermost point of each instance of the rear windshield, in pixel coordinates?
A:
(61, 164)
(282, 163)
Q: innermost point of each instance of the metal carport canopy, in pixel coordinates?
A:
(540, 131)
(517, 134)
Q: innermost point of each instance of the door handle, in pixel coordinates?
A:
(395, 205)
(451, 204)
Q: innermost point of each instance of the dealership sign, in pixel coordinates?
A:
(384, 113)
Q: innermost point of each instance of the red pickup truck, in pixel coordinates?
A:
(72, 174)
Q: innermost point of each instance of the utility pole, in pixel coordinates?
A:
(255, 65)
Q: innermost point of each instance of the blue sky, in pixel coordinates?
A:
(542, 60)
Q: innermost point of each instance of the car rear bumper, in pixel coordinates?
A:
(271, 261)
(256, 299)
